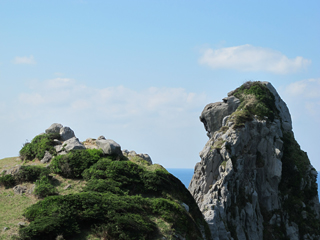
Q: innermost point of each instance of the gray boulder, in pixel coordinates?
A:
(71, 144)
(54, 128)
(66, 133)
(19, 189)
(109, 147)
(47, 157)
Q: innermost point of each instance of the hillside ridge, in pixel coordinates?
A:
(62, 188)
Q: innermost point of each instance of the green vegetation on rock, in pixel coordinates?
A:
(256, 100)
(38, 146)
(295, 163)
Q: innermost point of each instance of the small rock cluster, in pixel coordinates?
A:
(132, 154)
(66, 142)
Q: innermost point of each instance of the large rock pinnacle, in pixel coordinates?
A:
(253, 180)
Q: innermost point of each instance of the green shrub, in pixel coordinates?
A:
(123, 217)
(49, 227)
(7, 181)
(31, 173)
(103, 185)
(167, 209)
(38, 146)
(44, 188)
(124, 175)
(75, 162)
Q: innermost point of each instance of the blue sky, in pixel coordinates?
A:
(141, 72)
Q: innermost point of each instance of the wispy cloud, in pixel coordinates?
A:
(251, 58)
(309, 88)
(24, 60)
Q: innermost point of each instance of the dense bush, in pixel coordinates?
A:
(124, 175)
(38, 146)
(25, 174)
(123, 217)
(7, 181)
(31, 173)
(44, 188)
(75, 162)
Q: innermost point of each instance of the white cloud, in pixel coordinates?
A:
(66, 96)
(307, 94)
(251, 58)
(24, 60)
(309, 88)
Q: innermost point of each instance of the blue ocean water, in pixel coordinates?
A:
(185, 176)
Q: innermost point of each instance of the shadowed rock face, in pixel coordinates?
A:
(248, 183)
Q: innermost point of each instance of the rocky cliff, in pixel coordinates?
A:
(253, 180)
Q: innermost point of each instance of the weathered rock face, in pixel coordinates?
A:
(214, 113)
(253, 181)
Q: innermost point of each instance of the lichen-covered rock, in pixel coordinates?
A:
(253, 180)
(90, 143)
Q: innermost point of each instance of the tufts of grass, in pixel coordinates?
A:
(255, 100)
(218, 143)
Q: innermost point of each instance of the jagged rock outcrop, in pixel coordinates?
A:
(65, 142)
(133, 154)
(253, 180)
